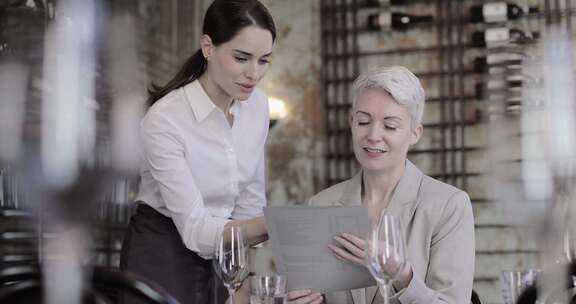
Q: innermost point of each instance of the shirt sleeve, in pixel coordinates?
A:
(164, 152)
(252, 199)
(451, 267)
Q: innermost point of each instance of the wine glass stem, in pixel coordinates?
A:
(231, 295)
(385, 291)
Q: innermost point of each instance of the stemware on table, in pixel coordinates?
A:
(231, 259)
(385, 252)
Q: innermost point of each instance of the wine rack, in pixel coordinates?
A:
(451, 65)
(22, 229)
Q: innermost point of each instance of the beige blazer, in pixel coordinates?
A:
(438, 227)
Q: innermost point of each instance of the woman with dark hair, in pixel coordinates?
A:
(203, 154)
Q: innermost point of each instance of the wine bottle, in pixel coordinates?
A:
(498, 61)
(523, 104)
(510, 81)
(500, 106)
(385, 3)
(509, 86)
(508, 106)
(500, 11)
(502, 36)
(395, 21)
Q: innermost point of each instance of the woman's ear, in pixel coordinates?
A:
(207, 46)
(351, 118)
(416, 134)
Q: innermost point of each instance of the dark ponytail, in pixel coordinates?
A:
(223, 20)
(192, 69)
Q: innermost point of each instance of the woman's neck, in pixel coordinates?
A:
(378, 188)
(222, 100)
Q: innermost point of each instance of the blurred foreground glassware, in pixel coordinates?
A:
(268, 289)
(513, 283)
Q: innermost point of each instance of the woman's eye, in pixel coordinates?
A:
(241, 59)
(264, 61)
(391, 128)
(363, 123)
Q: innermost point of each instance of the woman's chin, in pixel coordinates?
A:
(380, 166)
(371, 167)
(242, 96)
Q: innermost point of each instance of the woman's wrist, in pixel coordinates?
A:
(254, 229)
(257, 227)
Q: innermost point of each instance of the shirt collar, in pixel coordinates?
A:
(199, 101)
(201, 104)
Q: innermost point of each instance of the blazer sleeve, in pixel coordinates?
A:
(451, 265)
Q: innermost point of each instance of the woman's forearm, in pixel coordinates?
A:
(254, 229)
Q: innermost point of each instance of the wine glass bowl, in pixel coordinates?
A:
(231, 258)
(385, 251)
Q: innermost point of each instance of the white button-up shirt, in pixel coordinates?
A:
(197, 169)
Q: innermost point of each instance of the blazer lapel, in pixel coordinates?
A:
(358, 296)
(405, 197)
(371, 293)
(351, 196)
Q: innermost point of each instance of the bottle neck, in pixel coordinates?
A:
(533, 10)
(389, 2)
(497, 61)
(396, 21)
(404, 21)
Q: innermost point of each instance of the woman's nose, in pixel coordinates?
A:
(374, 132)
(251, 72)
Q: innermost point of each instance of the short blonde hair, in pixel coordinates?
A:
(403, 86)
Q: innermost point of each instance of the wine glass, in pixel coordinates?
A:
(268, 289)
(231, 259)
(569, 241)
(385, 252)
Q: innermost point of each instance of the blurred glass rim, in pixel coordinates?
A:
(268, 284)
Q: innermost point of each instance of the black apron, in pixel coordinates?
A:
(153, 249)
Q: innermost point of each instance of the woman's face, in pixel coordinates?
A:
(238, 65)
(381, 131)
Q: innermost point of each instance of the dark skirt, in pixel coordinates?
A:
(153, 249)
